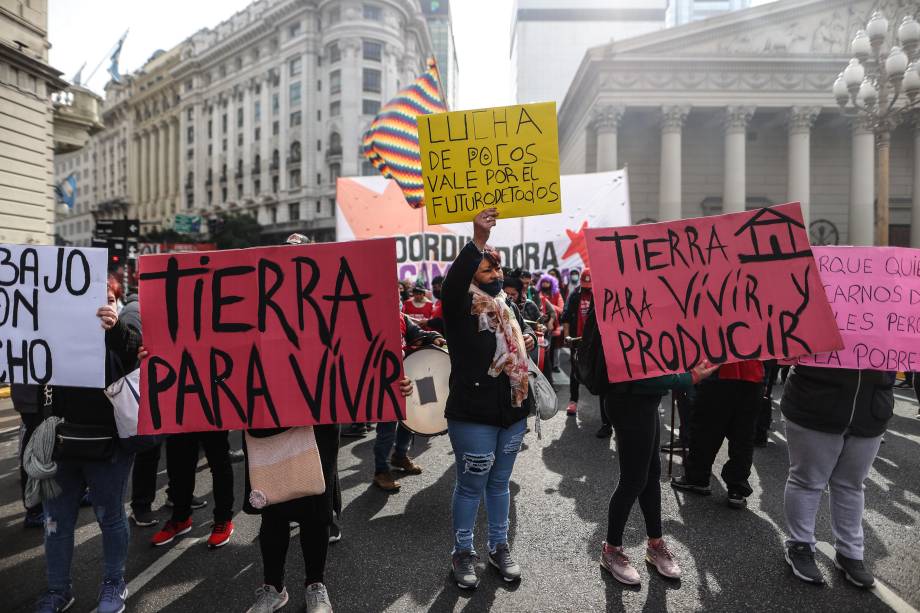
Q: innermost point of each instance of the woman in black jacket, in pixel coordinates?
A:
(835, 419)
(488, 401)
(106, 476)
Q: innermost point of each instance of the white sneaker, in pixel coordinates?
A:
(268, 600)
(317, 599)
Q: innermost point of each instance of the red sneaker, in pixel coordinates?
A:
(220, 534)
(572, 409)
(171, 530)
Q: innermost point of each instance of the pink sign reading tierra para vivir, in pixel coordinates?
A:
(725, 288)
(875, 295)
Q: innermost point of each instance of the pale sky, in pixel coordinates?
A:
(86, 30)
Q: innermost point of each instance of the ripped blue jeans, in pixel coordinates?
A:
(485, 458)
(108, 483)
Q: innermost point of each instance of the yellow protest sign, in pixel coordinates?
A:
(506, 157)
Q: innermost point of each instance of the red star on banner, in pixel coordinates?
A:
(577, 244)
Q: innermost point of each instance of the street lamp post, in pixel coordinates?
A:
(871, 86)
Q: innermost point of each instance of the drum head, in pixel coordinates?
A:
(429, 370)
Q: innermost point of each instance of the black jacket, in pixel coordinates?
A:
(839, 400)
(474, 395)
(570, 312)
(88, 405)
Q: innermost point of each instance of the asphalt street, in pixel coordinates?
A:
(395, 552)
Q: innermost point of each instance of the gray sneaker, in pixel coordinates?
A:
(802, 560)
(855, 571)
(268, 599)
(502, 560)
(463, 564)
(317, 599)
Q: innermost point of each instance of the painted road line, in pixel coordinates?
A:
(880, 591)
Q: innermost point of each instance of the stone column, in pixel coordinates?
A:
(162, 167)
(915, 209)
(862, 185)
(134, 174)
(671, 183)
(606, 122)
(798, 187)
(217, 154)
(734, 194)
(265, 121)
(145, 169)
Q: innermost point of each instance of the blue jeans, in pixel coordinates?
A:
(108, 482)
(484, 458)
(386, 434)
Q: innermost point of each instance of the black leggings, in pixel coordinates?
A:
(635, 423)
(274, 537)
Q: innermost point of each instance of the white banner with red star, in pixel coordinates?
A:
(374, 207)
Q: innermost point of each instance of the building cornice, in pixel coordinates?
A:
(32, 66)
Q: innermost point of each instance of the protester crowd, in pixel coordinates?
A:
(494, 321)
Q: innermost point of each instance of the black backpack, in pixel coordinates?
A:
(590, 364)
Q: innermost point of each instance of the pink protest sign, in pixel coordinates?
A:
(875, 295)
(726, 288)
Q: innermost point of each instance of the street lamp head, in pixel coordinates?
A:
(868, 94)
(877, 28)
(909, 32)
(854, 74)
(860, 46)
(896, 63)
(911, 83)
(840, 90)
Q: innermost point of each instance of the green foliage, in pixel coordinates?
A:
(236, 231)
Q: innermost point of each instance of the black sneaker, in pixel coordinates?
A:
(335, 533)
(736, 500)
(236, 455)
(463, 566)
(605, 431)
(197, 503)
(855, 571)
(682, 483)
(144, 518)
(502, 560)
(802, 560)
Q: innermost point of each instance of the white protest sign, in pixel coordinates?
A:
(49, 332)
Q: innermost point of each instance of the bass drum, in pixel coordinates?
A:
(429, 370)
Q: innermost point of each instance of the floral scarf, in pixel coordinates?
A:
(510, 357)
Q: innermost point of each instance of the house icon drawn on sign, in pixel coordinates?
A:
(772, 235)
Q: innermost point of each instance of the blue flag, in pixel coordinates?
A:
(66, 191)
(113, 67)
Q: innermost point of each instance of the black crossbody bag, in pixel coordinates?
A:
(81, 442)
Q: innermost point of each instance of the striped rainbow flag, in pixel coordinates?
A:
(391, 143)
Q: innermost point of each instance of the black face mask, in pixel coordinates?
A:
(492, 288)
(546, 290)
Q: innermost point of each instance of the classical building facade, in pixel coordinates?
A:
(148, 125)
(27, 82)
(736, 112)
(274, 100)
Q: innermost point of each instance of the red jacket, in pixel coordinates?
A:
(749, 370)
